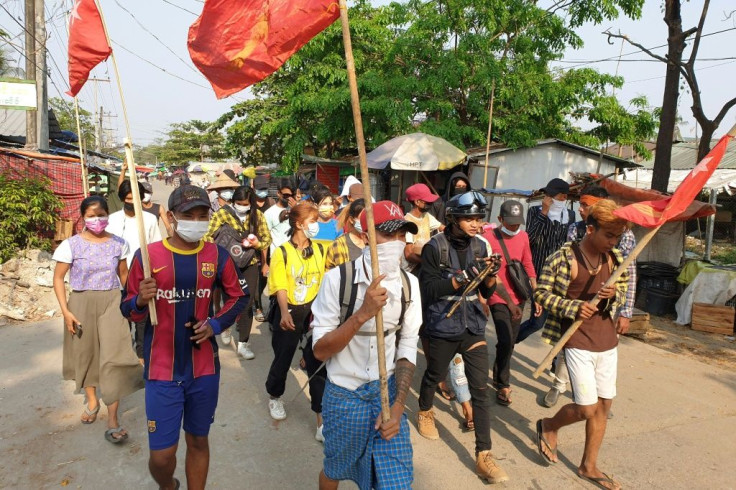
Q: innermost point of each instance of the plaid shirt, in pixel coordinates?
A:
(626, 244)
(337, 253)
(552, 286)
(225, 217)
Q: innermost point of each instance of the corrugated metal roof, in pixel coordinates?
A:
(685, 157)
(12, 122)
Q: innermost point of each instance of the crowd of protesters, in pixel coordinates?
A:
(445, 270)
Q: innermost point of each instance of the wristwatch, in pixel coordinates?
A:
(460, 277)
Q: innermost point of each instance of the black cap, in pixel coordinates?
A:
(147, 187)
(556, 186)
(187, 197)
(512, 212)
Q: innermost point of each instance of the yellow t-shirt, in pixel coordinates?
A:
(299, 277)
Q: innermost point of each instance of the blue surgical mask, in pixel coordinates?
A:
(509, 232)
(262, 194)
(227, 195)
(312, 230)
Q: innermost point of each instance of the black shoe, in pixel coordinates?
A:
(550, 399)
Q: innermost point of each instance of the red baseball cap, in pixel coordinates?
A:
(420, 192)
(388, 218)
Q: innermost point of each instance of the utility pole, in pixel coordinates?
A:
(98, 132)
(42, 110)
(31, 141)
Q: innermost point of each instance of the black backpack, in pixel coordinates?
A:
(231, 239)
(444, 249)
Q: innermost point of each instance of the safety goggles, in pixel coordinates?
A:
(470, 198)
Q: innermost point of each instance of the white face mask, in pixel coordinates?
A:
(558, 211)
(241, 209)
(147, 197)
(227, 195)
(358, 227)
(191, 231)
(509, 232)
(389, 257)
(312, 230)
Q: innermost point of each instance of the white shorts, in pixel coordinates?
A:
(592, 374)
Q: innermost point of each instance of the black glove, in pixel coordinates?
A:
(496, 261)
(474, 269)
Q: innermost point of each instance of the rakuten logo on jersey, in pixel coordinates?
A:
(175, 295)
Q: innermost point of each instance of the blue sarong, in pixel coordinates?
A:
(354, 450)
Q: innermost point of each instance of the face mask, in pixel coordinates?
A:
(241, 209)
(312, 230)
(128, 206)
(459, 190)
(509, 232)
(284, 202)
(358, 227)
(147, 197)
(96, 225)
(227, 195)
(326, 210)
(558, 212)
(191, 231)
(389, 257)
(262, 194)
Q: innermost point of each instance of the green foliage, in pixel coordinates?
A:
(27, 212)
(186, 142)
(64, 112)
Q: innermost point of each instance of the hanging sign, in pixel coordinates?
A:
(17, 94)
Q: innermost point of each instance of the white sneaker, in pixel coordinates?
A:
(244, 350)
(226, 337)
(319, 435)
(276, 407)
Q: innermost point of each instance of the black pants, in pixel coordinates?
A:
(262, 281)
(440, 354)
(284, 344)
(139, 331)
(245, 320)
(506, 330)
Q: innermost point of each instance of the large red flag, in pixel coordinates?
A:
(236, 43)
(87, 43)
(654, 213)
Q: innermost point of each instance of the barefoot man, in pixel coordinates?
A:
(570, 278)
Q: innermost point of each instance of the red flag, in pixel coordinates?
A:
(87, 43)
(654, 213)
(236, 43)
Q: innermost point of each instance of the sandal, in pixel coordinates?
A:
(541, 440)
(446, 394)
(599, 482)
(116, 440)
(259, 316)
(91, 414)
(503, 397)
(468, 426)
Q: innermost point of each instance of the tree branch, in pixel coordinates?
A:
(724, 110)
(698, 33)
(633, 43)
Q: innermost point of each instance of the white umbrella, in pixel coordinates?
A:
(416, 151)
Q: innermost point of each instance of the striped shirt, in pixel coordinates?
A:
(545, 235)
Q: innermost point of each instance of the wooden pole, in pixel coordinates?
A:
(488, 138)
(85, 182)
(133, 178)
(547, 361)
(365, 177)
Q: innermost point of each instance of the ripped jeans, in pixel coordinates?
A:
(475, 357)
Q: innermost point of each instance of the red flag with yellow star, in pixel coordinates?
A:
(651, 214)
(87, 43)
(236, 43)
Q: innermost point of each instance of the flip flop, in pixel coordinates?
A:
(115, 440)
(598, 482)
(468, 426)
(446, 394)
(91, 415)
(541, 440)
(502, 399)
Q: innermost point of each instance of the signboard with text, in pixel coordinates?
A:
(17, 94)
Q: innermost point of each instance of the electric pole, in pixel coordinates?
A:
(31, 141)
(42, 110)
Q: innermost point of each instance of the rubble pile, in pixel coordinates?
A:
(27, 288)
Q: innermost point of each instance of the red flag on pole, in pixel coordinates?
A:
(87, 43)
(651, 214)
(236, 43)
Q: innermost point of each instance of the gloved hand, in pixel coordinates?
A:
(474, 269)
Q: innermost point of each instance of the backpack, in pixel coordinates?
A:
(231, 240)
(349, 293)
(517, 274)
(444, 249)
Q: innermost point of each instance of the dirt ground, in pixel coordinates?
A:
(709, 348)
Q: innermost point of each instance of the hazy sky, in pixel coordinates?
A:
(155, 98)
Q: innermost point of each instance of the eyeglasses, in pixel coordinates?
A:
(470, 198)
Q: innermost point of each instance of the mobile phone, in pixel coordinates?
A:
(78, 330)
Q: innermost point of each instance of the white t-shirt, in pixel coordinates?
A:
(126, 227)
(272, 216)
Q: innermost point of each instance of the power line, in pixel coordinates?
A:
(181, 8)
(643, 60)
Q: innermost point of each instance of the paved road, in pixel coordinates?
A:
(674, 426)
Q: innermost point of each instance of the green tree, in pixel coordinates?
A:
(64, 112)
(190, 141)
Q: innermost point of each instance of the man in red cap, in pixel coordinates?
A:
(359, 446)
(420, 198)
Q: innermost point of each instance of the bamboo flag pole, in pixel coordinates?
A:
(488, 138)
(611, 281)
(365, 177)
(133, 178)
(82, 159)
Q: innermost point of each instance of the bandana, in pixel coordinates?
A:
(589, 200)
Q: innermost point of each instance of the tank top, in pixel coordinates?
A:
(598, 333)
(154, 210)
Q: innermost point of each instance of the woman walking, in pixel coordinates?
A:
(245, 219)
(297, 268)
(97, 345)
